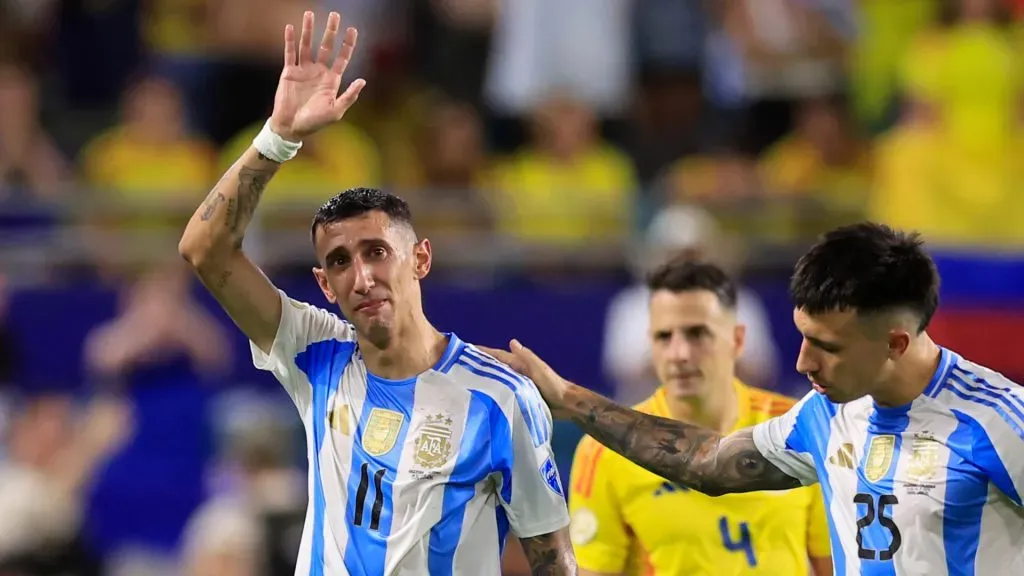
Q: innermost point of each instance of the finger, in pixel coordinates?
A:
(327, 43)
(289, 45)
(350, 95)
(348, 46)
(503, 356)
(306, 39)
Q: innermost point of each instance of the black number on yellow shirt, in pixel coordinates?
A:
(742, 544)
(868, 519)
(378, 498)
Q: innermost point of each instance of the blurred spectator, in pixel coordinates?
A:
(158, 321)
(787, 50)
(176, 35)
(52, 457)
(24, 27)
(146, 174)
(825, 160)
(225, 536)
(952, 168)
(451, 40)
(674, 231)
(30, 163)
(568, 186)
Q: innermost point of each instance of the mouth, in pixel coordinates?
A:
(820, 389)
(370, 306)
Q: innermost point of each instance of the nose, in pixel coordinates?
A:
(805, 362)
(679, 350)
(364, 277)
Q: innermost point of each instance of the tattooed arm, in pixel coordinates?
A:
(212, 244)
(684, 453)
(550, 554)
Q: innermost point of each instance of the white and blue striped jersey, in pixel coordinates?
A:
(420, 476)
(931, 488)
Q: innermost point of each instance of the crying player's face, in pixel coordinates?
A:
(371, 267)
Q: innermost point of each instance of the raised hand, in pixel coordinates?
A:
(307, 94)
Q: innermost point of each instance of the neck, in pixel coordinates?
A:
(413, 348)
(912, 375)
(715, 411)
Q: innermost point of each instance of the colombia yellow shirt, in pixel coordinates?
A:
(628, 520)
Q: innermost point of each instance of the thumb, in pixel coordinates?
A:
(350, 95)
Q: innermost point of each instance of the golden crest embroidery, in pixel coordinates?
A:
(924, 459)
(381, 431)
(339, 419)
(433, 445)
(879, 457)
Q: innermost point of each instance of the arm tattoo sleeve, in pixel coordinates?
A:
(550, 554)
(684, 453)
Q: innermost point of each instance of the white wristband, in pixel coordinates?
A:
(271, 145)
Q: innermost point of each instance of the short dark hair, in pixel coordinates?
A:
(867, 268)
(683, 274)
(358, 201)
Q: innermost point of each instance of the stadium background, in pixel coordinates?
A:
(543, 146)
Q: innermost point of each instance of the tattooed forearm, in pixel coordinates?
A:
(684, 453)
(550, 554)
(251, 184)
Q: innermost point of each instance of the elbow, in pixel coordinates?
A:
(192, 251)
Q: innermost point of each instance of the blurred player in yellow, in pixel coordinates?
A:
(626, 520)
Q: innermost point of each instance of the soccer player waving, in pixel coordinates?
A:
(919, 451)
(423, 451)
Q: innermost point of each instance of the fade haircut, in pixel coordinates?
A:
(682, 274)
(358, 201)
(869, 269)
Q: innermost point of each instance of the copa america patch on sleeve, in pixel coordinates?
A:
(550, 474)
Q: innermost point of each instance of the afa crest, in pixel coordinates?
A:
(924, 459)
(433, 445)
(879, 457)
(381, 431)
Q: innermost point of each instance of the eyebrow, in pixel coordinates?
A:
(823, 344)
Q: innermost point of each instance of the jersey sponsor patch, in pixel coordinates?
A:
(550, 473)
(582, 526)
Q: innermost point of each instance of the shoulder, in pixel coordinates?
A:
(514, 393)
(982, 395)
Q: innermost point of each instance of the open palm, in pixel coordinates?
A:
(307, 94)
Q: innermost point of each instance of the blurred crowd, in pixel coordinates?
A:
(570, 135)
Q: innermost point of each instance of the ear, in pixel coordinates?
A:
(423, 257)
(898, 342)
(321, 280)
(739, 335)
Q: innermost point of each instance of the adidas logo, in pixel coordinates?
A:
(843, 457)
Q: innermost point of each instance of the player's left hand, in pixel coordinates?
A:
(523, 360)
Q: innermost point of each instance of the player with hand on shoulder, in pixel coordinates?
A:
(626, 520)
(919, 451)
(424, 452)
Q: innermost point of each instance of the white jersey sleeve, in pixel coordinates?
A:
(301, 326)
(783, 440)
(998, 424)
(536, 503)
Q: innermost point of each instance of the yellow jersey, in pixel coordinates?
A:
(630, 521)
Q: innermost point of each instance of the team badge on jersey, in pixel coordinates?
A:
(879, 457)
(381, 431)
(433, 445)
(550, 473)
(924, 459)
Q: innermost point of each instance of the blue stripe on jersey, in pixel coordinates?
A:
(451, 353)
(965, 500)
(947, 361)
(503, 527)
(472, 465)
(875, 538)
(1004, 404)
(526, 390)
(533, 414)
(985, 454)
(815, 416)
(369, 531)
(324, 364)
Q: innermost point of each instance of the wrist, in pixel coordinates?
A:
(276, 146)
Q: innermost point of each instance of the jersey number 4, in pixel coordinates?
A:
(378, 497)
(741, 544)
(869, 517)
